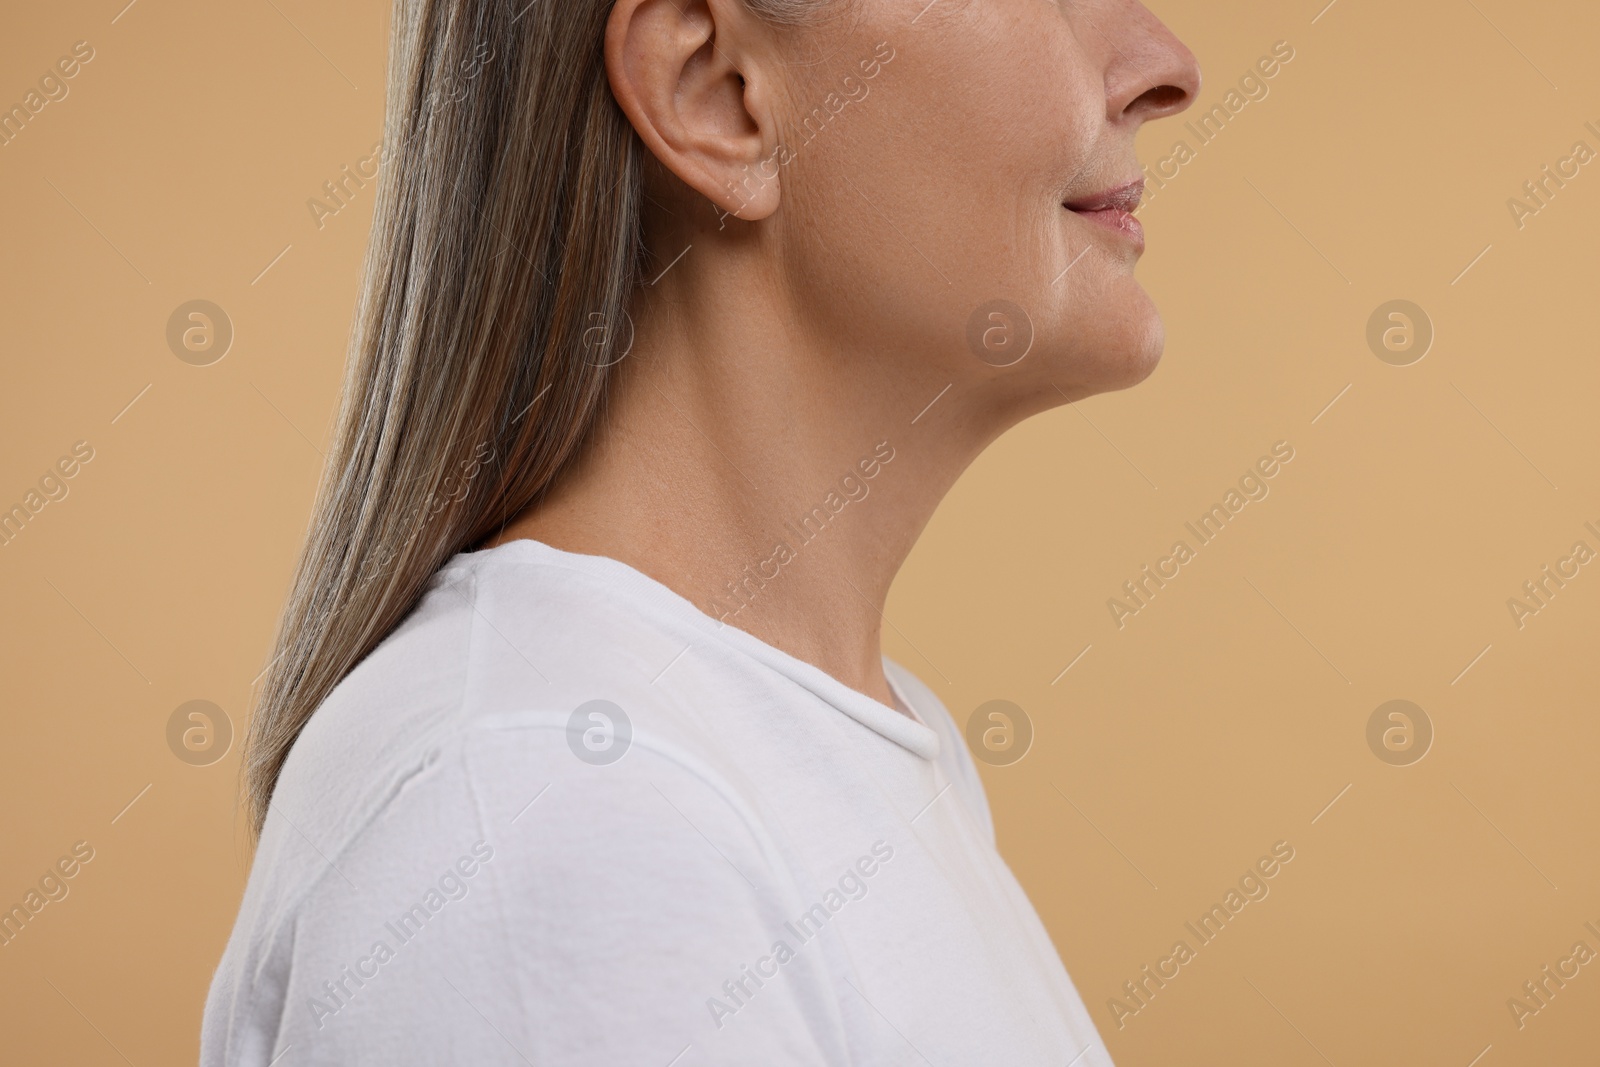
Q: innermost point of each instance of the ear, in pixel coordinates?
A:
(680, 72)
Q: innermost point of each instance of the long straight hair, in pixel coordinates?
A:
(506, 244)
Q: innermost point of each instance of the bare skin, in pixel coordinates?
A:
(824, 304)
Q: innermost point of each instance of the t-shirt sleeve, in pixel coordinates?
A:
(622, 913)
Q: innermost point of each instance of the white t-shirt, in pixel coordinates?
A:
(733, 859)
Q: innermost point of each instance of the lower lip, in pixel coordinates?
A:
(1118, 221)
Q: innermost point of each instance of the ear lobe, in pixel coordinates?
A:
(678, 71)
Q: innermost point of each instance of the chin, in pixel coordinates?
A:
(1143, 351)
(1121, 352)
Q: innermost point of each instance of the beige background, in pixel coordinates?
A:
(1225, 717)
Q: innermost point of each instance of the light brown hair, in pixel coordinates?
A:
(505, 247)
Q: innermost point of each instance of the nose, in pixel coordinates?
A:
(1151, 73)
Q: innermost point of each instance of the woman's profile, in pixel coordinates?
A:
(679, 319)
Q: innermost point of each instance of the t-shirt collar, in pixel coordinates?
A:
(913, 734)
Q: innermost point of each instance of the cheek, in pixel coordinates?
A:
(941, 193)
(942, 189)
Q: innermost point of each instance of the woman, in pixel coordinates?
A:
(679, 319)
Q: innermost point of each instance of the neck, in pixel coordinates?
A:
(776, 483)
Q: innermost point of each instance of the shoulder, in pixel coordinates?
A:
(478, 715)
(492, 644)
(474, 798)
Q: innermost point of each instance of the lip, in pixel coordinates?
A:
(1113, 210)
